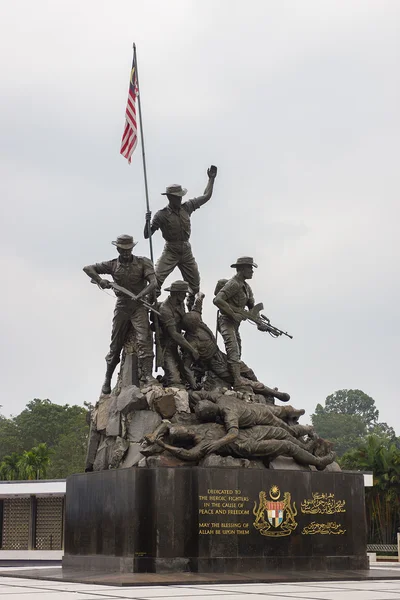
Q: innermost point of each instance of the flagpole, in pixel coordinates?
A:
(158, 352)
(148, 223)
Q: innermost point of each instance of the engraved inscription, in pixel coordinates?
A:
(227, 509)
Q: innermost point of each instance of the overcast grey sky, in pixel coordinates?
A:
(297, 102)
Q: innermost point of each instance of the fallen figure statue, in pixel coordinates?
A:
(260, 441)
(249, 430)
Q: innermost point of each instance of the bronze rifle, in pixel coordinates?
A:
(262, 322)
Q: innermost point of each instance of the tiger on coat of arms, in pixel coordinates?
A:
(280, 513)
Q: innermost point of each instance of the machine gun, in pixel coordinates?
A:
(262, 322)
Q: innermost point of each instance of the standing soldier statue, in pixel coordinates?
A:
(231, 299)
(174, 223)
(136, 275)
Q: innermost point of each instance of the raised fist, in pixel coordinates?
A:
(212, 172)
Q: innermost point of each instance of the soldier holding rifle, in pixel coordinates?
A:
(136, 274)
(234, 296)
(232, 299)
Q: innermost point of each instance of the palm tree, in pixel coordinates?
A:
(9, 468)
(43, 454)
(27, 465)
(382, 457)
(33, 463)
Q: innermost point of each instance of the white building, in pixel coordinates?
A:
(32, 519)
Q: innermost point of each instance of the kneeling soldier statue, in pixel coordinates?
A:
(172, 311)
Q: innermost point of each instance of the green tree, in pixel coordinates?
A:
(345, 431)
(347, 417)
(10, 437)
(33, 464)
(62, 430)
(69, 454)
(384, 431)
(44, 422)
(353, 402)
(27, 465)
(382, 457)
(9, 467)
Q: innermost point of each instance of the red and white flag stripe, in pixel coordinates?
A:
(129, 137)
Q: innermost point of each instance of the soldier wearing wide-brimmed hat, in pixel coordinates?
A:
(172, 311)
(136, 274)
(235, 294)
(174, 223)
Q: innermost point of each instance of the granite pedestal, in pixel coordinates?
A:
(214, 520)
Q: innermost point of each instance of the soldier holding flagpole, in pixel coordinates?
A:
(174, 223)
(128, 145)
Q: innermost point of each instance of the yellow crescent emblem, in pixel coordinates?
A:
(132, 75)
(274, 492)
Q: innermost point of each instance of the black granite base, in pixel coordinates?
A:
(214, 521)
(157, 579)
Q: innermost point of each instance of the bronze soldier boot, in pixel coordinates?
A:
(147, 372)
(324, 461)
(238, 382)
(306, 458)
(106, 388)
(190, 298)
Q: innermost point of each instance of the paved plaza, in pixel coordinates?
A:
(17, 588)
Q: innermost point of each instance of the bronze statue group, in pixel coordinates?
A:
(187, 349)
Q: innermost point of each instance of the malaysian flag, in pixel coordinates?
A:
(129, 138)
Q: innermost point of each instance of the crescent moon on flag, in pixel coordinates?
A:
(132, 74)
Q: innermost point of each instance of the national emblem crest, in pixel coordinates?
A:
(280, 514)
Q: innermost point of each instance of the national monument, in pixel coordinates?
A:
(193, 463)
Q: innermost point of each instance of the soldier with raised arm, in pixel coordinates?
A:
(174, 223)
(136, 274)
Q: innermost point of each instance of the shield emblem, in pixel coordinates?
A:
(275, 512)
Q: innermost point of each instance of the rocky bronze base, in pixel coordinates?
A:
(214, 520)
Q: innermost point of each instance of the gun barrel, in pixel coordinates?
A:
(287, 334)
(149, 307)
(277, 332)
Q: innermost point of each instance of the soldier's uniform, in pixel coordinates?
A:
(237, 294)
(203, 340)
(238, 414)
(172, 363)
(133, 276)
(255, 442)
(171, 315)
(176, 228)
